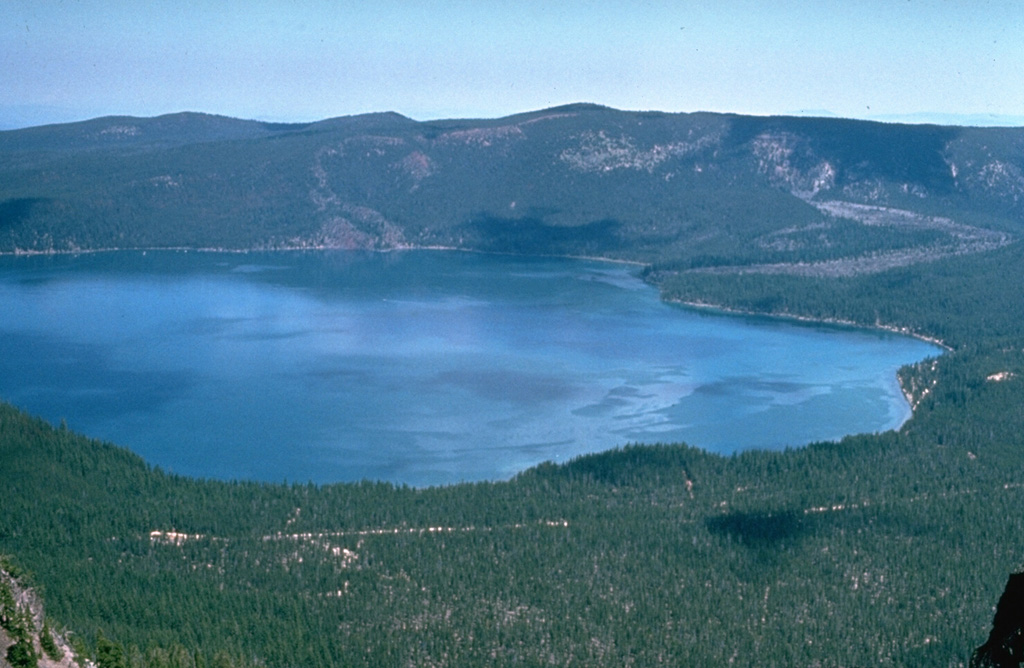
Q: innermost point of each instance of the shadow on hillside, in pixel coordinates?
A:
(533, 235)
(759, 529)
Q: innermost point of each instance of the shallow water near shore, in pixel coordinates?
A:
(416, 367)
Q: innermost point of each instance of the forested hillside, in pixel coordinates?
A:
(685, 190)
(886, 549)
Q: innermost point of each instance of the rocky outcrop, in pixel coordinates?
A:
(25, 637)
(1005, 645)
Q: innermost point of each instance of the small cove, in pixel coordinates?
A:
(417, 367)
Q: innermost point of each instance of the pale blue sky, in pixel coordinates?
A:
(311, 59)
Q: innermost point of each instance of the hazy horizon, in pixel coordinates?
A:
(17, 119)
(276, 61)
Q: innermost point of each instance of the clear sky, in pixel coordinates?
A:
(310, 59)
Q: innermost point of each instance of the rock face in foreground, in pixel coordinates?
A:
(25, 636)
(1005, 645)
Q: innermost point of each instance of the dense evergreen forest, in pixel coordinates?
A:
(883, 549)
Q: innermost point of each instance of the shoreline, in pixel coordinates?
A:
(293, 249)
(892, 329)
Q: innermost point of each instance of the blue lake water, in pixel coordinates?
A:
(416, 367)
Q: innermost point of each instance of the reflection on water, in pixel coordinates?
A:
(418, 367)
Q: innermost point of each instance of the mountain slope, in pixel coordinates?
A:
(581, 179)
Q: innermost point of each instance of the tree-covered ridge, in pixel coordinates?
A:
(962, 301)
(580, 180)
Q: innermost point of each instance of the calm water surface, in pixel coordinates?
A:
(416, 367)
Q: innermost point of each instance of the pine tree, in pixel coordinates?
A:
(47, 643)
(22, 655)
(109, 654)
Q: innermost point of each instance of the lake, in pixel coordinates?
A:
(417, 367)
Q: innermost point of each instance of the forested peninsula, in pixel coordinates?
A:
(881, 549)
